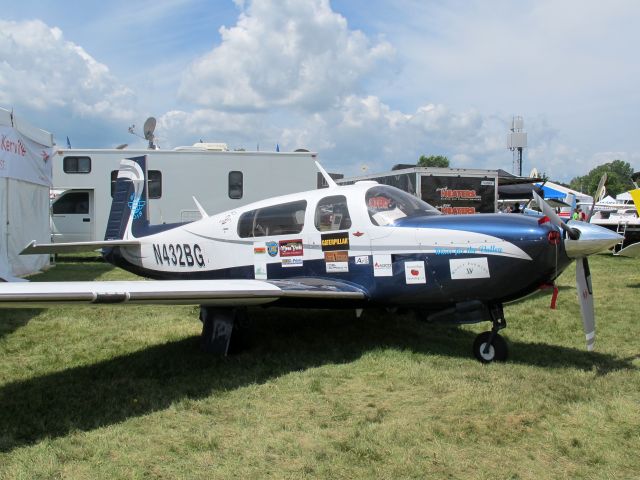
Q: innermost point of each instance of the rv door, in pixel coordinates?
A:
(72, 216)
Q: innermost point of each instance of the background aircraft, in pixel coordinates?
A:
(359, 246)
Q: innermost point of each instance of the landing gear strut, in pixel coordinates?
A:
(490, 346)
(217, 329)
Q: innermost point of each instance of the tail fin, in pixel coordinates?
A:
(635, 195)
(129, 209)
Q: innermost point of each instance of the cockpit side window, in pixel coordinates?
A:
(332, 214)
(387, 204)
(283, 219)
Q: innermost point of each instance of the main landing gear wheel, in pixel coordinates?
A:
(487, 349)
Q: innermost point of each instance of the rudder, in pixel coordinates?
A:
(129, 217)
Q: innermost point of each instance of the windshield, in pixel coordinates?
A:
(387, 204)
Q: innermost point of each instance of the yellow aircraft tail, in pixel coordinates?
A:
(635, 194)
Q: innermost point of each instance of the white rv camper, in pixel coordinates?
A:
(219, 179)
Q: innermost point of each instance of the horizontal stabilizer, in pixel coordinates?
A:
(75, 247)
(632, 250)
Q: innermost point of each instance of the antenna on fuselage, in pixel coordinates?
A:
(326, 176)
(202, 211)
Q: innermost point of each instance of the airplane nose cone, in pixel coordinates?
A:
(592, 239)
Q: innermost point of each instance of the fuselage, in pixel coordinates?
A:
(363, 234)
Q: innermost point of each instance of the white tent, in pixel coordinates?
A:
(609, 200)
(25, 181)
(624, 197)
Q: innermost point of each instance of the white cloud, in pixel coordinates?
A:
(41, 70)
(283, 54)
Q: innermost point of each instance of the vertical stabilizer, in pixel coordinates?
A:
(129, 209)
(635, 195)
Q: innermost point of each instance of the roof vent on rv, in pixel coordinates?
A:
(216, 147)
(200, 146)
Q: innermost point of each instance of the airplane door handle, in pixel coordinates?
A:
(86, 219)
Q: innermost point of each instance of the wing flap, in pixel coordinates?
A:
(319, 288)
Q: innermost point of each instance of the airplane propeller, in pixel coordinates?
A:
(596, 197)
(555, 219)
(583, 240)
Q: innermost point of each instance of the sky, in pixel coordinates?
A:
(365, 83)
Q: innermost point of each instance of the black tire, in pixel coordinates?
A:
(497, 351)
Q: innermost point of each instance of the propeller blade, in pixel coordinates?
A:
(585, 297)
(597, 195)
(553, 216)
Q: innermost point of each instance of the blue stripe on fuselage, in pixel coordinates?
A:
(510, 227)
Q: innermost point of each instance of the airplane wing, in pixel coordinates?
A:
(74, 247)
(632, 250)
(175, 292)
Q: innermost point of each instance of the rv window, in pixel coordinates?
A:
(284, 219)
(76, 164)
(72, 202)
(154, 183)
(332, 214)
(235, 185)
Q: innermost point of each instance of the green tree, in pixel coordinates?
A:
(439, 161)
(618, 178)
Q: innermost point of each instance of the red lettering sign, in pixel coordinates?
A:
(8, 145)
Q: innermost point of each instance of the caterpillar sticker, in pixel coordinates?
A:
(334, 241)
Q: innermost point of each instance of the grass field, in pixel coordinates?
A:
(124, 392)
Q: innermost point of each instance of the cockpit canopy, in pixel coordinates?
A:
(387, 204)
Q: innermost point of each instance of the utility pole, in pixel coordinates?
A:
(516, 142)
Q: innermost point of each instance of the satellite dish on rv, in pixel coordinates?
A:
(148, 129)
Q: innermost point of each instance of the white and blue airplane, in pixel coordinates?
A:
(359, 246)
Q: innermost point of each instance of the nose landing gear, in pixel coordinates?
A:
(490, 346)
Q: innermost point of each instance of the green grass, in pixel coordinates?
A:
(124, 392)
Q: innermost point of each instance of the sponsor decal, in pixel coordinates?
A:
(291, 248)
(260, 271)
(291, 262)
(487, 183)
(379, 203)
(470, 250)
(449, 210)
(337, 262)
(357, 234)
(414, 273)
(272, 249)
(334, 241)
(451, 194)
(260, 261)
(178, 254)
(382, 266)
(12, 146)
(136, 205)
(469, 268)
(361, 260)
